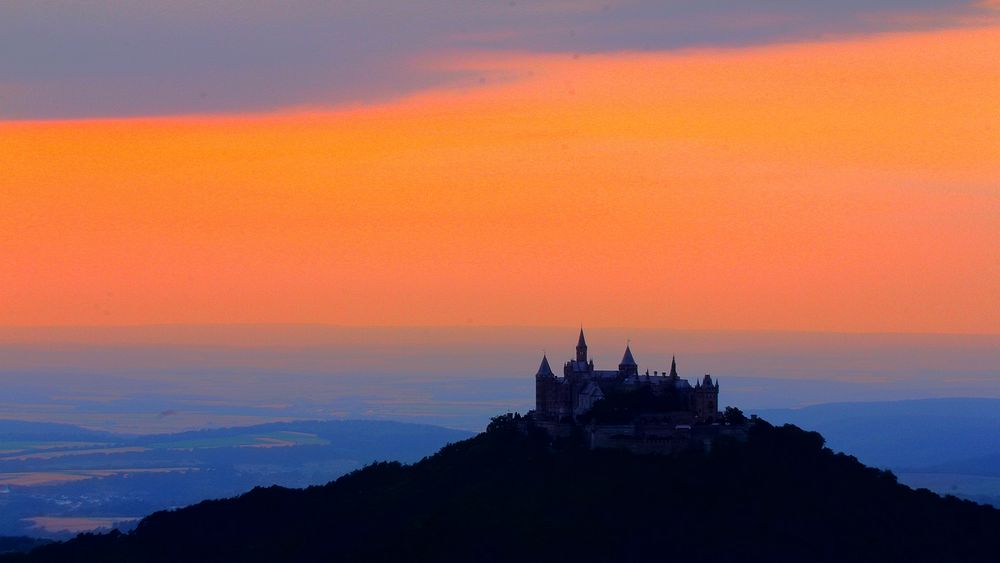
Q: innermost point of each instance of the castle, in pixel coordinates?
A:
(581, 387)
(622, 407)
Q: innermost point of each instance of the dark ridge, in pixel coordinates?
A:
(780, 496)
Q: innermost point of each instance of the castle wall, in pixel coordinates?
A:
(605, 435)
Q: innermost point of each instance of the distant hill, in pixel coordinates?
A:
(503, 496)
(52, 431)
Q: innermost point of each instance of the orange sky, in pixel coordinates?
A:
(849, 185)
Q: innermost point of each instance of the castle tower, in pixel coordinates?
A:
(581, 348)
(706, 398)
(546, 390)
(628, 366)
(673, 367)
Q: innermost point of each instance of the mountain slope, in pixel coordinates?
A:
(502, 496)
(903, 434)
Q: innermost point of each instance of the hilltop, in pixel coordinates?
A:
(506, 496)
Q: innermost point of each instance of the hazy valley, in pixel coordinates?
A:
(58, 479)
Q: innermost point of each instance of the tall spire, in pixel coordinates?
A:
(581, 348)
(673, 367)
(544, 369)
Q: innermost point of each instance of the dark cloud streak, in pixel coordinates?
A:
(71, 59)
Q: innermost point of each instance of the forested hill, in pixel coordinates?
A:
(502, 496)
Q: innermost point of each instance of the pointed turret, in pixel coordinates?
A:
(627, 359)
(581, 348)
(628, 367)
(544, 370)
(673, 367)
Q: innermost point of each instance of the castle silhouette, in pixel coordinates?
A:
(581, 386)
(623, 408)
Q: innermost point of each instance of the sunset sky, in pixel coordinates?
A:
(830, 166)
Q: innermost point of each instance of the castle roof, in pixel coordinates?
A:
(593, 389)
(627, 359)
(544, 368)
(582, 342)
